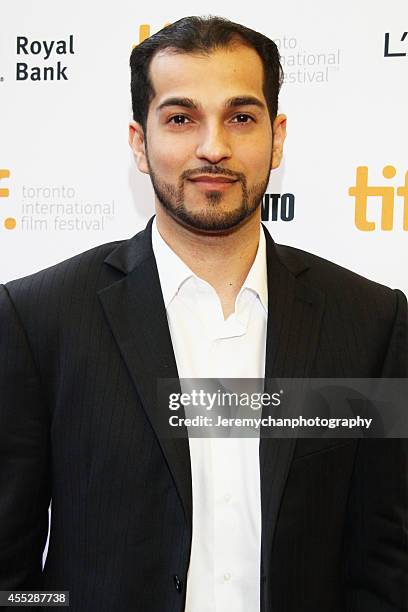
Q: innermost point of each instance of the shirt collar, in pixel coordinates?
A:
(173, 272)
(257, 278)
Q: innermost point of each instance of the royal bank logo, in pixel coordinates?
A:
(8, 222)
(396, 45)
(386, 208)
(278, 207)
(43, 60)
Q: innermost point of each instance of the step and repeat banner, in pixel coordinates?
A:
(68, 180)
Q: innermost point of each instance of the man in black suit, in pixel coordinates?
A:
(83, 344)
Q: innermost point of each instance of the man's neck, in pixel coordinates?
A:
(222, 260)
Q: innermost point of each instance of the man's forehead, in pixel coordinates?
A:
(182, 74)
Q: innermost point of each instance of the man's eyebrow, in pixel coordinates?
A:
(230, 103)
(186, 102)
(244, 101)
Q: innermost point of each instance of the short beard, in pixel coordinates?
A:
(173, 201)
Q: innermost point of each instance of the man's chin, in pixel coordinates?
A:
(204, 222)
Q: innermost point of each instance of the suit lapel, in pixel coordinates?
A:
(135, 311)
(294, 317)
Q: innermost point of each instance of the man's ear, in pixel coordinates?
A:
(138, 145)
(279, 135)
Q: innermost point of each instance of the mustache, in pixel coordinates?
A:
(188, 174)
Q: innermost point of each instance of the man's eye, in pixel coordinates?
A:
(243, 118)
(178, 120)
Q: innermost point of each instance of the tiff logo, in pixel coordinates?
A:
(387, 52)
(362, 190)
(145, 32)
(10, 222)
(4, 174)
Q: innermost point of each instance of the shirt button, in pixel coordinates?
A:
(227, 577)
(178, 583)
(227, 497)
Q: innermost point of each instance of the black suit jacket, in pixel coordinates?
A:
(81, 347)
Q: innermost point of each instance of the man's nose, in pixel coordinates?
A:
(214, 145)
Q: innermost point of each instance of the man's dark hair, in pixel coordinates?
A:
(201, 35)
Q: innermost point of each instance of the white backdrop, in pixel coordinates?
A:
(67, 177)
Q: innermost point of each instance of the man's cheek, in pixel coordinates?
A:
(169, 156)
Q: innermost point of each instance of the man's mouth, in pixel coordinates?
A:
(213, 182)
(214, 178)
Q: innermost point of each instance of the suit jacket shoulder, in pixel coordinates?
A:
(368, 319)
(352, 293)
(72, 270)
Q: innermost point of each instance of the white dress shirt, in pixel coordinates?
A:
(224, 570)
